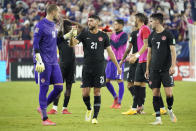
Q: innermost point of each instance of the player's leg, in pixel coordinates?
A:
(67, 95)
(97, 104)
(120, 93)
(44, 82)
(119, 79)
(155, 81)
(110, 74)
(168, 83)
(55, 106)
(163, 111)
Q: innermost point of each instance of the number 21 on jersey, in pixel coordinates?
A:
(93, 45)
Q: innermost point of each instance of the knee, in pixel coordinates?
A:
(97, 92)
(58, 88)
(107, 80)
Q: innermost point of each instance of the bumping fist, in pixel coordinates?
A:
(39, 64)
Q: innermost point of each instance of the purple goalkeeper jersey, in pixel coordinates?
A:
(45, 42)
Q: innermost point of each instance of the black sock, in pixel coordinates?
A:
(156, 105)
(97, 103)
(45, 118)
(56, 100)
(132, 90)
(86, 100)
(136, 96)
(170, 101)
(66, 101)
(161, 102)
(142, 94)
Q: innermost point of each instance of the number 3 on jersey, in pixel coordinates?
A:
(93, 45)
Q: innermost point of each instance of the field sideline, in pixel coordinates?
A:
(19, 100)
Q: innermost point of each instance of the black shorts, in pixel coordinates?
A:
(140, 72)
(93, 76)
(131, 75)
(158, 77)
(68, 72)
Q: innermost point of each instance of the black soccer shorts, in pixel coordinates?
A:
(68, 72)
(140, 72)
(131, 75)
(93, 76)
(157, 77)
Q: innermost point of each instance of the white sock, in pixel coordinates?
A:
(54, 107)
(163, 108)
(64, 108)
(134, 109)
(158, 118)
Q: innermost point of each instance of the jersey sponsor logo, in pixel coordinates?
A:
(163, 37)
(100, 38)
(36, 30)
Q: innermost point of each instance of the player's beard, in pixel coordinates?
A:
(55, 19)
(92, 28)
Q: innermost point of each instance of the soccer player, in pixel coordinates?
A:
(47, 70)
(67, 63)
(161, 65)
(132, 67)
(118, 41)
(93, 73)
(140, 80)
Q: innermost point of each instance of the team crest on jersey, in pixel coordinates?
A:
(53, 34)
(36, 30)
(163, 37)
(42, 80)
(100, 38)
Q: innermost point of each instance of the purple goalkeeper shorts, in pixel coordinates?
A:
(111, 71)
(51, 75)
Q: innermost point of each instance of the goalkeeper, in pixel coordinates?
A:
(47, 70)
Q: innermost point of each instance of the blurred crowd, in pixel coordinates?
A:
(18, 17)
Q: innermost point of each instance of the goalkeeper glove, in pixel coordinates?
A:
(39, 64)
(72, 33)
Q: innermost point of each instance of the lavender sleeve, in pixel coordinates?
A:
(37, 37)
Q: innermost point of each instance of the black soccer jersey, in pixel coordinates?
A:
(93, 46)
(66, 53)
(133, 41)
(160, 47)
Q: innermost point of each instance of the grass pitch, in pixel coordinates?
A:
(19, 100)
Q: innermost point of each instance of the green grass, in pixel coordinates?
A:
(19, 100)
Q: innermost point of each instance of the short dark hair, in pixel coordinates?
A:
(120, 21)
(157, 16)
(96, 17)
(141, 17)
(65, 27)
(51, 7)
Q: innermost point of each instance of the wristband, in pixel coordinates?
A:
(137, 55)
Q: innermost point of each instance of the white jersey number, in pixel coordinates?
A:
(93, 45)
(158, 45)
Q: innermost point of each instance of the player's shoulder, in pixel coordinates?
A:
(167, 32)
(145, 27)
(151, 34)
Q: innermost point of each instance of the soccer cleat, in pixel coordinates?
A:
(156, 122)
(52, 111)
(94, 121)
(172, 116)
(88, 115)
(130, 112)
(65, 111)
(115, 102)
(48, 123)
(117, 106)
(162, 112)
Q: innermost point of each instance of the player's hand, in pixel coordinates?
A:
(120, 63)
(119, 70)
(132, 59)
(39, 64)
(147, 74)
(39, 67)
(172, 70)
(72, 33)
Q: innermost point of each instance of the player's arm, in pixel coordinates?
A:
(113, 58)
(79, 26)
(148, 62)
(126, 53)
(36, 41)
(173, 57)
